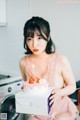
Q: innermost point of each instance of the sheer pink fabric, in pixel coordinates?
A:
(62, 105)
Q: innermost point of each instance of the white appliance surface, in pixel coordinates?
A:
(9, 83)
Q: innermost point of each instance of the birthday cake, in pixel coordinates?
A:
(37, 88)
(34, 99)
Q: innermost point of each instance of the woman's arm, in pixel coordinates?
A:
(22, 69)
(68, 77)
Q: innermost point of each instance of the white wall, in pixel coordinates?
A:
(11, 36)
(64, 18)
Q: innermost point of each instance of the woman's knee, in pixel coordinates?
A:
(64, 116)
(32, 117)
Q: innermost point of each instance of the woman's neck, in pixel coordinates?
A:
(42, 55)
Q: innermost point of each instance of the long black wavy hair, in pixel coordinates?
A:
(42, 26)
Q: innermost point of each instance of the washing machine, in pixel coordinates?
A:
(9, 85)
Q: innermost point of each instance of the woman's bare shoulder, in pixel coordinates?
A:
(62, 58)
(23, 60)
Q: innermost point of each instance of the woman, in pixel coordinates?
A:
(50, 65)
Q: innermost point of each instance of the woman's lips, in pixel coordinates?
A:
(35, 50)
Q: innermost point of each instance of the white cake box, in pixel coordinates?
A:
(33, 101)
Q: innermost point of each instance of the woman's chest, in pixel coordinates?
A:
(59, 82)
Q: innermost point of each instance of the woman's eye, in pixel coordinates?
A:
(40, 37)
(28, 39)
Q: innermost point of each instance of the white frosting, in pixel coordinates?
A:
(39, 89)
(43, 81)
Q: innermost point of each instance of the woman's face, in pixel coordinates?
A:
(36, 44)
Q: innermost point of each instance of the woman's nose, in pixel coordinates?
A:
(35, 43)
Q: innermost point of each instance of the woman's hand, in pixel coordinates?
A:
(56, 94)
(51, 116)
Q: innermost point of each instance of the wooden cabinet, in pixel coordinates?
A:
(78, 101)
(78, 97)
